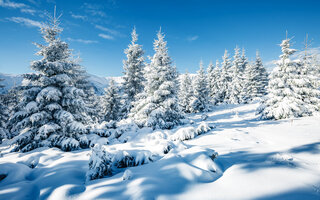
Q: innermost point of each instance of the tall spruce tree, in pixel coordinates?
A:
(159, 107)
(200, 100)
(285, 97)
(185, 93)
(225, 78)
(133, 75)
(214, 84)
(52, 111)
(309, 82)
(262, 77)
(4, 115)
(111, 103)
(236, 78)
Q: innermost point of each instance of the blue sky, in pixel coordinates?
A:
(99, 30)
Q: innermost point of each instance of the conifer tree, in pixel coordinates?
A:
(262, 77)
(185, 93)
(159, 107)
(236, 78)
(111, 103)
(133, 75)
(200, 100)
(4, 115)
(52, 111)
(214, 84)
(286, 88)
(225, 79)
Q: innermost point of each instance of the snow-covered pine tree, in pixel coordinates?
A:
(133, 72)
(224, 79)
(185, 92)
(4, 115)
(244, 61)
(111, 103)
(52, 111)
(286, 86)
(263, 76)
(236, 78)
(200, 99)
(214, 84)
(251, 82)
(159, 108)
(307, 87)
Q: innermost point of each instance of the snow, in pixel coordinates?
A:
(237, 156)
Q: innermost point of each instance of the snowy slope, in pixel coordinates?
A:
(256, 160)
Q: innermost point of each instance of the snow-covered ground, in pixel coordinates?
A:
(256, 160)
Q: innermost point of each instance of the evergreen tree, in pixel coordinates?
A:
(4, 115)
(309, 82)
(251, 82)
(244, 61)
(133, 75)
(200, 100)
(159, 107)
(287, 88)
(52, 111)
(111, 103)
(214, 84)
(185, 93)
(262, 77)
(236, 78)
(225, 79)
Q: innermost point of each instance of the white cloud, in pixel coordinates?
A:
(25, 21)
(28, 10)
(10, 4)
(21, 6)
(110, 31)
(75, 16)
(193, 38)
(94, 9)
(82, 41)
(105, 36)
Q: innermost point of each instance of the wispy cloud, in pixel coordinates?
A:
(14, 5)
(10, 4)
(110, 31)
(25, 21)
(94, 9)
(82, 41)
(193, 38)
(75, 16)
(105, 36)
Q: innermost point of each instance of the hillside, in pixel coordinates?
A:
(241, 158)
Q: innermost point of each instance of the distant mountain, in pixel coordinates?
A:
(98, 83)
(10, 80)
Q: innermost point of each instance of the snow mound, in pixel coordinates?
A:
(190, 132)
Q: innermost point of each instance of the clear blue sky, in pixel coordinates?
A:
(100, 30)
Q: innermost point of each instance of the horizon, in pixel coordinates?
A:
(100, 31)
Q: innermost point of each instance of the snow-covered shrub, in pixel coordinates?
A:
(123, 159)
(127, 175)
(99, 163)
(187, 133)
(202, 128)
(184, 133)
